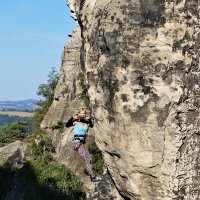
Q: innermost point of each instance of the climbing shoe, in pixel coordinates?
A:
(95, 178)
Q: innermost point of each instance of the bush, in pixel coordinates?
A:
(41, 144)
(84, 94)
(49, 181)
(59, 125)
(97, 159)
(47, 178)
(41, 177)
(15, 131)
(6, 119)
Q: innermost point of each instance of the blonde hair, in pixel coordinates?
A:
(83, 110)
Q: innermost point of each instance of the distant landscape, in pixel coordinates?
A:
(7, 119)
(16, 111)
(28, 105)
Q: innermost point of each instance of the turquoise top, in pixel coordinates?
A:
(80, 129)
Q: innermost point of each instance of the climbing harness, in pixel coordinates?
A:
(79, 138)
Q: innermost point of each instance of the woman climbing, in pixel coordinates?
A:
(81, 122)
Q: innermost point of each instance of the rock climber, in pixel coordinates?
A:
(81, 122)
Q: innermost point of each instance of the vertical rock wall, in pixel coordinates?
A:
(142, 66)
(141, 60)
(67, 101)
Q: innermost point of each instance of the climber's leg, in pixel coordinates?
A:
(75, 146)
(85, 155)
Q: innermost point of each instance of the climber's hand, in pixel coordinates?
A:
(75, 116)
(87, 117)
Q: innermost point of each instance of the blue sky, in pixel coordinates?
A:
(32, 36)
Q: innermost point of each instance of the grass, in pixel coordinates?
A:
(41, 177)
(49, 180)
(56, 181)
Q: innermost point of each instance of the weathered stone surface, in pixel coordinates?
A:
(141, 60)
(13, 155)
(12, 158)
(68, 90)
(105, 190)
(67, 101)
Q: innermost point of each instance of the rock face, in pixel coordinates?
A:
(105, 190)
(12, 158)
(141, 62)
(67, 101)
(68, 90)
(13, 155)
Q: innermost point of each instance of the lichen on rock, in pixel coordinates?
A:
(141, 64)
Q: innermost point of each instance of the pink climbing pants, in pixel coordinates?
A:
(85, 155)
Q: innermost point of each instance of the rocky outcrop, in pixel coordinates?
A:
(67, 101)
(104, 190)
(141, 62)
(12, 158)
(67, 93)
(12, 155)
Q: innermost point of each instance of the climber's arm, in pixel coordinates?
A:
(91, 125)
(89, 122)
(70, 122)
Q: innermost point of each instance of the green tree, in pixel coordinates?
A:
(6, 119)
(46, 91)
(14, 131)
(42, 177)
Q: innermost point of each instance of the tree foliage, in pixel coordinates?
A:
(56, 181)
(42, 177)
(15, 131)
(49, 180)
(97, 159)
(46, 91)
(6, 119)
(84, 94)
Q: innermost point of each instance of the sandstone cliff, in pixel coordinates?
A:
(141, 64)
(12, 155)
(12, 158)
